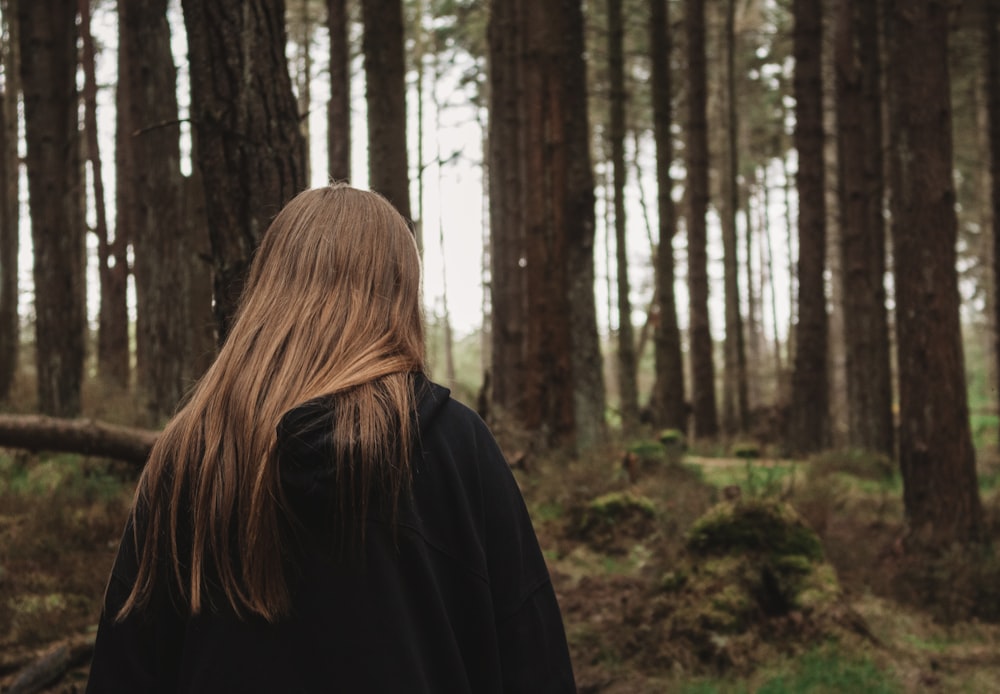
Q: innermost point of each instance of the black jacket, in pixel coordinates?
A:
(457, 599)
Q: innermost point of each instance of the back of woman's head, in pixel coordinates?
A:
(331, 307)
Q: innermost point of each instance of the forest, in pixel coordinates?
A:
(722, 276)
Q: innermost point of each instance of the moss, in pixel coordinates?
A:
(647, 450)
(671, 437)
(764, 526)
(617, 504)
(613, 517)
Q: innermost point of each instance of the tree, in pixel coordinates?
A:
(668, 390)
(862, 240)
(991, 35)
(702, 364)
(164, 271)
(385, 94)
(48, 79)
(628, 391)
(339, 106)
(538, 85)
(810, 409)
(112, 335)
(937, 460)
(247, 141)
(736, 403)
(10, 333)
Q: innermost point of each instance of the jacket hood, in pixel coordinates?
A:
(305, 444)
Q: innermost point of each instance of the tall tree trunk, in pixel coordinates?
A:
(835, 347)
(668, 390)
(303, 78)
(538, 82)
(628, 390)
(247, 140)
(810, 397)
(862, 230)
(937, 460)
(992, 40)
(702, 364)
(10, 327)
(385, 94)
(112, 336)
(736, 402)
(164, 271)
(339, 107)
(48, 78)
(576, 215)
(507, 293)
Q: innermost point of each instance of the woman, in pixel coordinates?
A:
(319, 516)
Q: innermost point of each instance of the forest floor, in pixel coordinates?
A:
(616, 537)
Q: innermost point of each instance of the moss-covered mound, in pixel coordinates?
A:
(753, 583)
(613, 522)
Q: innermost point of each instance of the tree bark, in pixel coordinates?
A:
(668, 391)
(303, 80)
(52, 665)
(10, 326)
(48, 78)
(385, 94)
(112, 337)
(810, 397)
(702, 362)
(992, 41)
(246, 127)
(506, 287)
(736, 401)
(628, 390)
(339, 106)
(83, 436)
(862, 229)
(937, 460)
(164, 272)
(538, 83)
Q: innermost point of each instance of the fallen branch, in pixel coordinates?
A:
(52, 665)
(84, 436)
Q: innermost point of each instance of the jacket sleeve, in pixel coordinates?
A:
(533, 649)
(141, 652)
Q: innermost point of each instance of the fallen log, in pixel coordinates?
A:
(84, 436)
(52, 666)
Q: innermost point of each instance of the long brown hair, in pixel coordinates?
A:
(331, 307)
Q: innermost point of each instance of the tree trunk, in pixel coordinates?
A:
(835, 347)
(736, 403)
(82, 436)
(112, 337)
(164, 273)
(937, 460)
(48, 78)
(810, 409)
(668, 391)
(628, 390)
(385, 94)
(507, 294)
(339, 107)
(538, 82)
(10, 326)
(992, 40)
(702, 364)
(303, 79)
(246, 126)
(862, 230)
